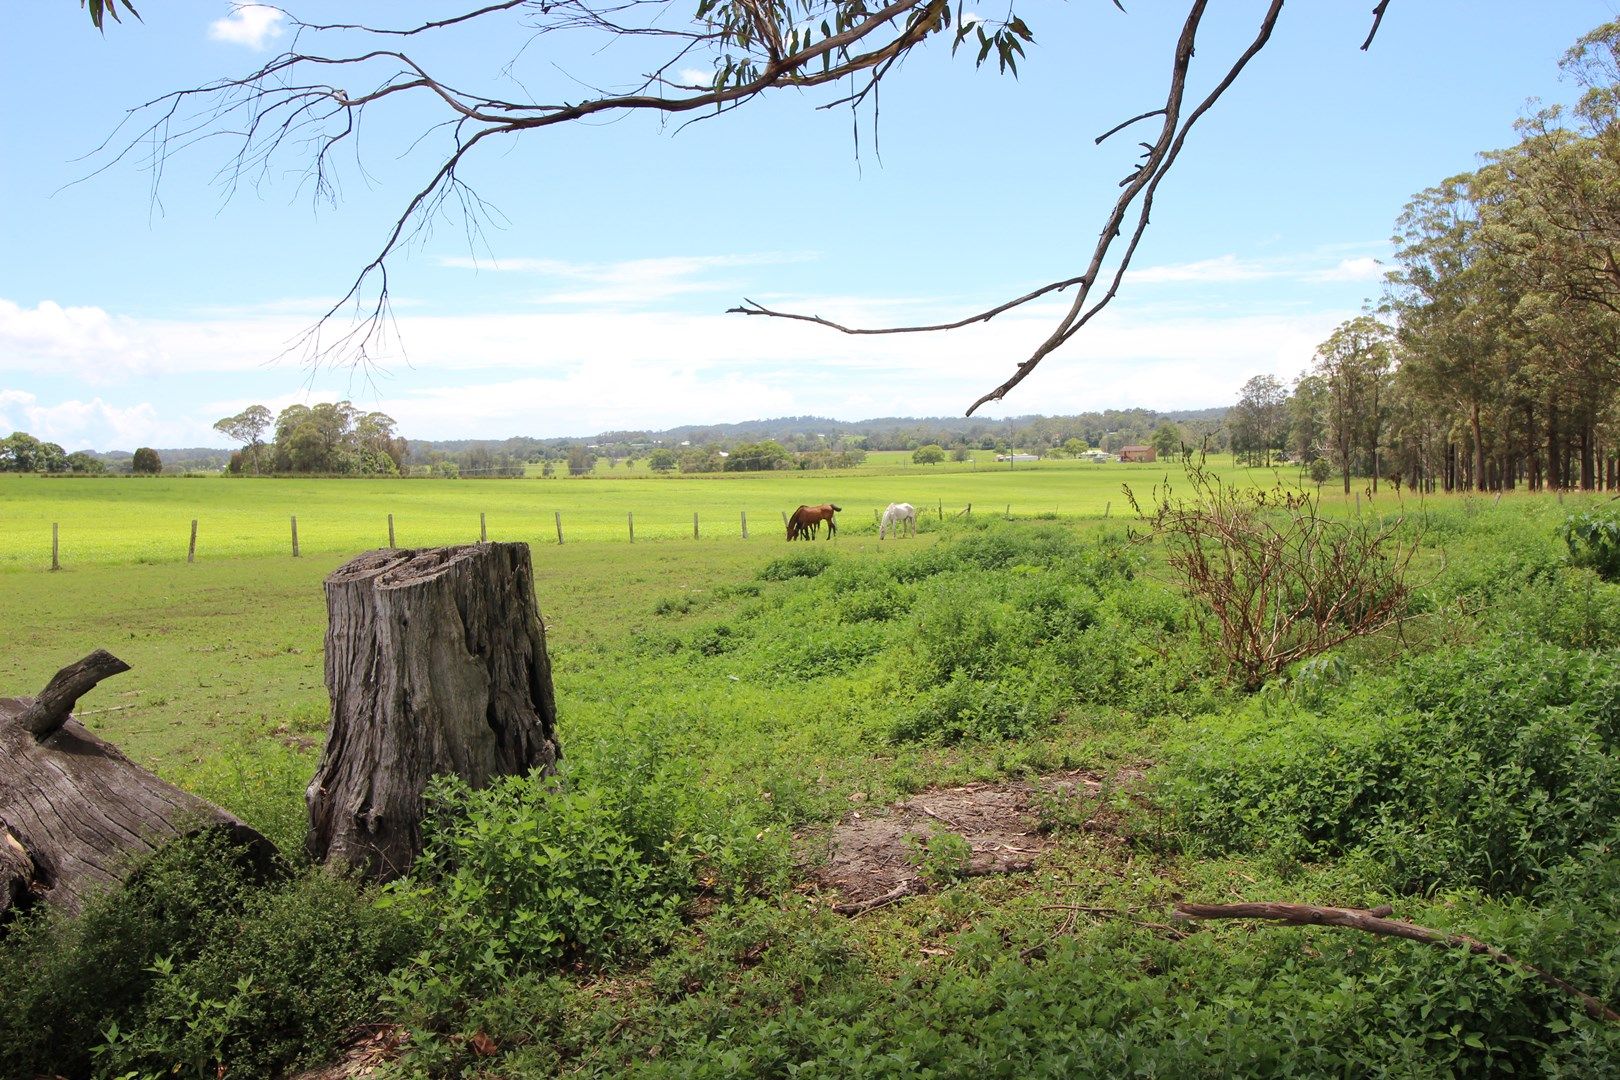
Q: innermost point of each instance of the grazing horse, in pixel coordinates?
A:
(804, 522)
(899, 517)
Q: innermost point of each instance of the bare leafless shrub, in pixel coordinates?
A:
(1274, 579)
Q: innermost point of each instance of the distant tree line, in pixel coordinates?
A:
(816, 443)
(332, 439)
(21, 452)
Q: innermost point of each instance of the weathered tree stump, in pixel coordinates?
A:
(75, 813)
(436, 663)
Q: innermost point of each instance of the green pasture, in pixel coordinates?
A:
(722, 703)
(148, 519)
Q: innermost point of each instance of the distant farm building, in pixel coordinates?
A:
(1016, 457)
(1136, 453)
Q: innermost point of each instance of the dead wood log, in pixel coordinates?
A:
(435, 663)
(75, 813)
(51, 708)
(1374, 922)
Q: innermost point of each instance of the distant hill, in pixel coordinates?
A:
(881, 432)
(877, 432)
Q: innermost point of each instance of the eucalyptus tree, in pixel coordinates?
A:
(298, 112)
(1453, 309)
(246, 427)
(1549, 211)
(1552, 202)
(1260, 419)
(1354, 365)
(1307, 432)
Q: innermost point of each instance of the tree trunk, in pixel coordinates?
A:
(74, 812)
(1479, 446)
(435, 663)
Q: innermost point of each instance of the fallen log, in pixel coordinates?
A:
(75, 813)
(435, 664)
(1375, 922)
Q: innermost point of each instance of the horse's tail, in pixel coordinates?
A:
(838, 508)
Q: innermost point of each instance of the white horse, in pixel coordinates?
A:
(897, 517)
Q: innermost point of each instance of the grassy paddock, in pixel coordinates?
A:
(148, 520)
(717, 698)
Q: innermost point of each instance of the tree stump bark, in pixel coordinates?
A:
(75, 813)
(435, 663)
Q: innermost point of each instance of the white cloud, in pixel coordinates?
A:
(1363, 268)
(95, 347)
(252, 25)
(1223, 268)
(93, 424)
(632, 282)
(1227, 269)
(695, 76)
(547, 372)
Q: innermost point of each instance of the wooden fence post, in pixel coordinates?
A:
(632, 517)
(559, 526)
(295, 535)
(390, 532)
(1107, 506)
(483, 531)
(694, 525)
(191, 549)
(56, 562)
(745, 524)
(784, 519)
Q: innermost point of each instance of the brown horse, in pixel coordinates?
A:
(804, 522)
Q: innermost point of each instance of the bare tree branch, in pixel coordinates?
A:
(1378, 20)
(295, 105)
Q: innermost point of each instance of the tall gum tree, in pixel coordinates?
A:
(1353, 364)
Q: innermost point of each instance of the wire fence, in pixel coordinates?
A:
(93, 540)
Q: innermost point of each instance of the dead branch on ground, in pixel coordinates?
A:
(1375, 921)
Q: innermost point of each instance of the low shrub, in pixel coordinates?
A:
(62, 979)
(1275, 579)
(800, 564)
(192, 968)
(283, 985)
(1593, 539)
(1481, 767)
(523, 874)
(590, 870)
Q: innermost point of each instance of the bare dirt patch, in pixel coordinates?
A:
(871, 856)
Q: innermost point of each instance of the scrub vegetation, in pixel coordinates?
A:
(724, 706)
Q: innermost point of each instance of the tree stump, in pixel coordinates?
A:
(435, 663)
(75, 813)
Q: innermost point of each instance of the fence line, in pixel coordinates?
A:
(483, 530)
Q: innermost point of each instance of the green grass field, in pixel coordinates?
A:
(148, 520)
(722, 697)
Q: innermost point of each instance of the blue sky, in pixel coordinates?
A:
(135, 312)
